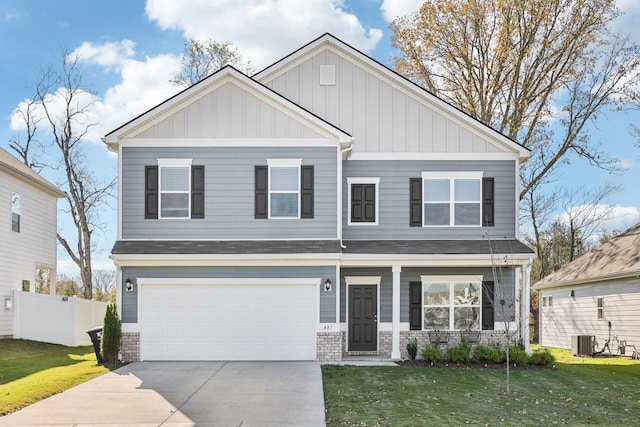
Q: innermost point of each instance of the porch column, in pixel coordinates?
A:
(395, 328)
(526, 305)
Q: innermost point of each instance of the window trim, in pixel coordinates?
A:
(451, 176)
(451, 280)
(363, 180)
(283, 163)
(600, 308)
(174, 163)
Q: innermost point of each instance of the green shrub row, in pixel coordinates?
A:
(482, 354)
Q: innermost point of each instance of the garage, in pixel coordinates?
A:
(232, 319)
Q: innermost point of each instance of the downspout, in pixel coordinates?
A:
(340, 219)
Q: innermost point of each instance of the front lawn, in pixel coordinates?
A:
(31, 371)
(584, 391)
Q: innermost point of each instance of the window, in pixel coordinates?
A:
(363, 200)
(600, 304)
(547, 302)
(15, 212)
(451, 200)
(284, 189)
(452, 302)
(174, 189)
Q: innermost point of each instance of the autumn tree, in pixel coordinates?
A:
(61, 112)
(203, 58)
(539, 71)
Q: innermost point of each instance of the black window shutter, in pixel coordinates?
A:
(197, 192)
(415, 306)
(488, 202)
(487, 306)
(262, 192)
(306, 191)
(357, 203)
(369, 203)
(151, 192)
(415, 202)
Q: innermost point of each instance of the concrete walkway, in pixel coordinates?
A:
(186, 394)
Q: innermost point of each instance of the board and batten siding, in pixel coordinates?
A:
(229, 111)
(327, 298)
(578, 315)
(229, 194)
(393, 203)
(34, 246)
(382, 115)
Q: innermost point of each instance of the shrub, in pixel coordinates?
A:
(111, 334)
(459, 353)
(432, 354)
(487, 354)
(543, 357)
(517, 356)
(412, 348)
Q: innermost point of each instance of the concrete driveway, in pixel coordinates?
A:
(187, 394)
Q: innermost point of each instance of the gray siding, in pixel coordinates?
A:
(385, 292)
(327, 299)
(394, 199)
(229, 195)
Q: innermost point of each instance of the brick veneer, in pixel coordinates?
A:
(130, 349)
(486, 337)
(329, 346)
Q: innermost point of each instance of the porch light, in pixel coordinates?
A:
(8, 304)
(572, 293)
(327, 285)
(128, 285)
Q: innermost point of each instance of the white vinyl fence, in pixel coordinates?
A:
(56, 319)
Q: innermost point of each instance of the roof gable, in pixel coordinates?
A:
(13, 166)
(384, 111)
(228, 104)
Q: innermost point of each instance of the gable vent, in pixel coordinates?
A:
(327, 75)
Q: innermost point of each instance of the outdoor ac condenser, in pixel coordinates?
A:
(582, 345)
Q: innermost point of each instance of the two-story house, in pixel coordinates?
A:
(324, 207)
(28, 208)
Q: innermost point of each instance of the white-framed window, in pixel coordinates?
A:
(451, 199)
(175, 188)
(15, 212)
(284, 188)
(363, 196)
(452, 302)
(600, 306)
(547, 301)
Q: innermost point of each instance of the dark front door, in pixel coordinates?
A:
(363, 318)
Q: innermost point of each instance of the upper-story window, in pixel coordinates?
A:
(15, 212)
(174, 189)
(284, 190)
(363, 200)
(451, 199)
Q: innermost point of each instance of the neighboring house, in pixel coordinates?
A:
(28, 208)
(599, 289)
(324, 207)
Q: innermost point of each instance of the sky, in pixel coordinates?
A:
(130, 49)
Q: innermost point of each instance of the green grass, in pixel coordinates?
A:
(31, 371)
(581, 391)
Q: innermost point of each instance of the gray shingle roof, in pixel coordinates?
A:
(374, 247)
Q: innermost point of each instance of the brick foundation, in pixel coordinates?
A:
(385, 343)
(329, 346)
(486, 337)
(130, 349)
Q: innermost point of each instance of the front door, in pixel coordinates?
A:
(363, 318)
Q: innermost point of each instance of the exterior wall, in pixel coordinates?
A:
(228, 112)
(229, 195)
(382, 115)
(34, 246)
(394, 199)
(329, 346)
(130, 299)
(130, 351)
(577, 315)
(384, 292)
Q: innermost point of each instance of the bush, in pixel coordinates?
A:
(459, 353)
(487, 354)
(432, 354)
(543, 357)
(517, 356)
(412, 348)
(111, 334)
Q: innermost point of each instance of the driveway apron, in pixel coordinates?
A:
(186, 394)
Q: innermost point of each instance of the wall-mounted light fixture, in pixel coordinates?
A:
(572, 293)
(327, 285)
(8, 303)
(128, 285)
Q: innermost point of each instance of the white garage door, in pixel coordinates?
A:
(228, 322)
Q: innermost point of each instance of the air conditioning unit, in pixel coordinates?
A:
(582, 345)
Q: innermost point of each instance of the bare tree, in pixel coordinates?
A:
(202, 58)
(25, 148)
(104, 285)
(65, 109)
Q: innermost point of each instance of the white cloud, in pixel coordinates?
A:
(263, 30)
(110, 55)
(615, 217)
(391, 9)
(629, 21)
